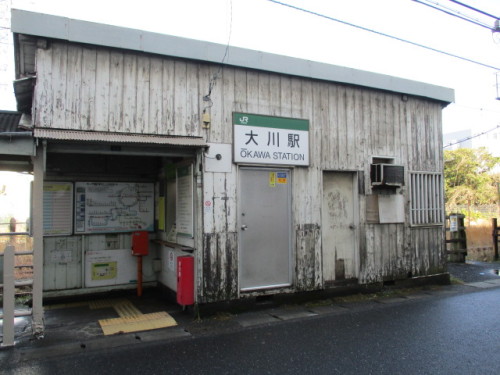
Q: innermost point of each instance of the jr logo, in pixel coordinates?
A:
(244, 120)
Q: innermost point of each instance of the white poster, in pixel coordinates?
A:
(184, 205)
(57, 208)
(110, 267)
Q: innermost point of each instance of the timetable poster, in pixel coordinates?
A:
(184, 203)
(57, 208)
(105, 207)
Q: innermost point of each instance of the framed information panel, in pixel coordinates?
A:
(57, 208)
(184, 202)
(104, 207)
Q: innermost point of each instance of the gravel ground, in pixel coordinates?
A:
(473, 271)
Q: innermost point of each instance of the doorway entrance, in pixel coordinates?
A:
(340, 221)
(265, 228)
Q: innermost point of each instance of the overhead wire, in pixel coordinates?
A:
(471, 137)
(475, 108)
(452, 12)
(474, 9)
(385, 35)
(214, 78)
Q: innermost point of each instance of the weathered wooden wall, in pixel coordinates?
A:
(62, 272)
(64, 255)
(80, 87)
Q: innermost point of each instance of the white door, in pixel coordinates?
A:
(265, 227)
(340, 221)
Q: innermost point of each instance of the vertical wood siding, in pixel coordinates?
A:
(57, 274)
(98, 89)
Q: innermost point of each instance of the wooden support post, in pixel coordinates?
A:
(8, 296)
(457, 240)
(37, 230)
(495, 237)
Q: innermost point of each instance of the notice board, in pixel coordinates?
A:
(105, 207)
(57, 208)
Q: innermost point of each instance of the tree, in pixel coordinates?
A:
(468, 177)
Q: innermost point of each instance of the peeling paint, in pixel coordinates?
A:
(308, 259)
(220, 281)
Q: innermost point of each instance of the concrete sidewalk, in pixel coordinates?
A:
(473, 271)
(74, 327)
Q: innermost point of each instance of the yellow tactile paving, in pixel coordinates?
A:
(144, 322)
(126, 309)
(104, 303)
(130, 317)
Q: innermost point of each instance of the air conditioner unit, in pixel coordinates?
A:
(387, 175)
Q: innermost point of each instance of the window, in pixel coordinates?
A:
(426, 197)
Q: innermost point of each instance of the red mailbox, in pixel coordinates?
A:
(185, 280)
(140, 243)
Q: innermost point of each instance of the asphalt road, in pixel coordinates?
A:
(455, 334)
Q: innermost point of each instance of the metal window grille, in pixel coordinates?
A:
(427, 202)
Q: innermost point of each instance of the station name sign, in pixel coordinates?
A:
(270, 140)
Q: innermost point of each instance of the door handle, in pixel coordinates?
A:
(352, 226)
(244, 227)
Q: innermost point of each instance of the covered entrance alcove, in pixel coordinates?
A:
(99, 187)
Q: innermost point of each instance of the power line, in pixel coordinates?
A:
(475, 108)
(452, 12)
(474, 9)
(386, 35)
(471, 137)
(214, 78)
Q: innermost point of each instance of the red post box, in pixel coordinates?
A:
(140, 243)
(185, 280)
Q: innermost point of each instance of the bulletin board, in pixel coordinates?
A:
(57, 208)
(106, 207)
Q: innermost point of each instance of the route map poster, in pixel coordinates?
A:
(104, 207)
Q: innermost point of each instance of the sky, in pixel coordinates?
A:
(14, 197)
(270, 27)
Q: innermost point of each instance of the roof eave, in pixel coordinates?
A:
(57, 27)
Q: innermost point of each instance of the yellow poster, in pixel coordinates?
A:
(57, 187)
(104, 271)
(272, 179)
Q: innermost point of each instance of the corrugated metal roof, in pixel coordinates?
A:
(9, 122)
(50, 26)
(83, 136)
